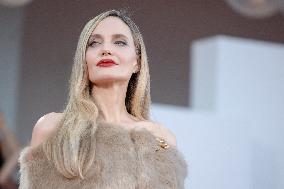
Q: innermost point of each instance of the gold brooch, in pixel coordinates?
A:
(162, 143)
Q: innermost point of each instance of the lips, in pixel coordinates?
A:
(106, 63)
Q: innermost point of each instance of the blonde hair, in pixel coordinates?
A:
(72, 148)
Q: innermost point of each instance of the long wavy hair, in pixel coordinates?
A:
(72, 147)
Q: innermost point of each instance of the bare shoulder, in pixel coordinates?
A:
(163, 132)
(46, 125)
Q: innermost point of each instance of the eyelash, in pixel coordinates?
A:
(124, 43)
(121, 42)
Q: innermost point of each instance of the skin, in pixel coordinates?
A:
(110, 83)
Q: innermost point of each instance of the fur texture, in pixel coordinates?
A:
(125, 159)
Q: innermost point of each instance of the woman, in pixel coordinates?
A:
(104, 138)
(9, 154)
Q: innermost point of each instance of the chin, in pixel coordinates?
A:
(110, 79)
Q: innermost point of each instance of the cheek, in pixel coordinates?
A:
(90, 57)
(91, 63)
(129, 58)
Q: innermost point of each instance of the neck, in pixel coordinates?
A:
(111, 102)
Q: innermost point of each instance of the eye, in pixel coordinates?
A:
(121, 43)
(93, 43)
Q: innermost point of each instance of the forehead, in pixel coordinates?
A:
(112, 25)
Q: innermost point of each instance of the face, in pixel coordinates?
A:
(111, 39)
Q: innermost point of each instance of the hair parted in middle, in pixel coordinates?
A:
(71, 155)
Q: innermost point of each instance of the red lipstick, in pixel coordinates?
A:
(106, 63)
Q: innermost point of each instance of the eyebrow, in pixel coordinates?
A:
(117, 35)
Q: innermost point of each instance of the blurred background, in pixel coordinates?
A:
(217, 74)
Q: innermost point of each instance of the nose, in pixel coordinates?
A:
(106, 52)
